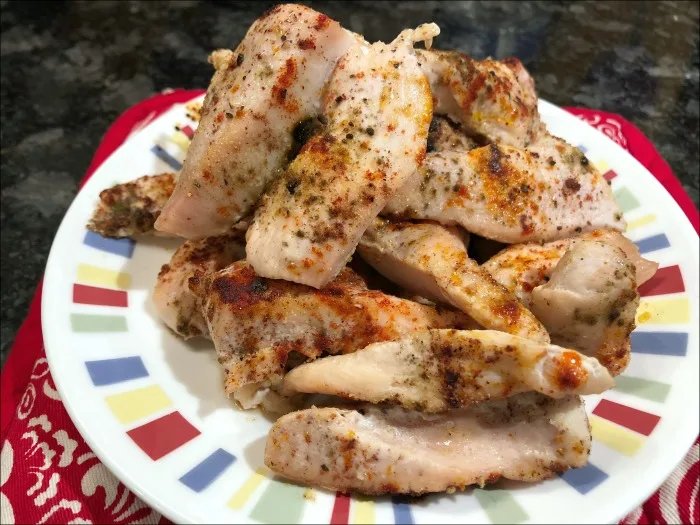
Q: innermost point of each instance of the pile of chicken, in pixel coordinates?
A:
(327, 202)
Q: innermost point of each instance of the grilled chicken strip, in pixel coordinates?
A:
(258, 94)
(431, 260)
(175, 304)
(547, 192)
(438, 370)
(379, 109)
(256, 323)
(522, 267)
(494, 100)
(131, 208)
(527, 437)
(590, 301)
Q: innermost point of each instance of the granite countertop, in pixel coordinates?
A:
(70, 68)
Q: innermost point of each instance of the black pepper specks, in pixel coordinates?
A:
(292, 186)
(258, 285)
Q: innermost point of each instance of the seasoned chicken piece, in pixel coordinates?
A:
(522, 267)
(511, 195)
(379, 108)
(444, 134)
(492, 99)
(431, 261)
(590, 301)
(371, 450)
(131, 208)
(175, 304)
(258, 94)
(437, 370)
(256, 323)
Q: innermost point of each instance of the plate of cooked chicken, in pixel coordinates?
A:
(375, 283)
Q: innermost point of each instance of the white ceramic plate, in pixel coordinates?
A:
(153, 409)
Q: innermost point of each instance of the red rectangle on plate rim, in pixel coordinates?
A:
(666, 280)
(341, 509)
(161, 436)
(83, 294)
(628, 417)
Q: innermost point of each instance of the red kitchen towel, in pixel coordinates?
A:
(49, 475)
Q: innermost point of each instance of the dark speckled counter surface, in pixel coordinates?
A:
(70, 68)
